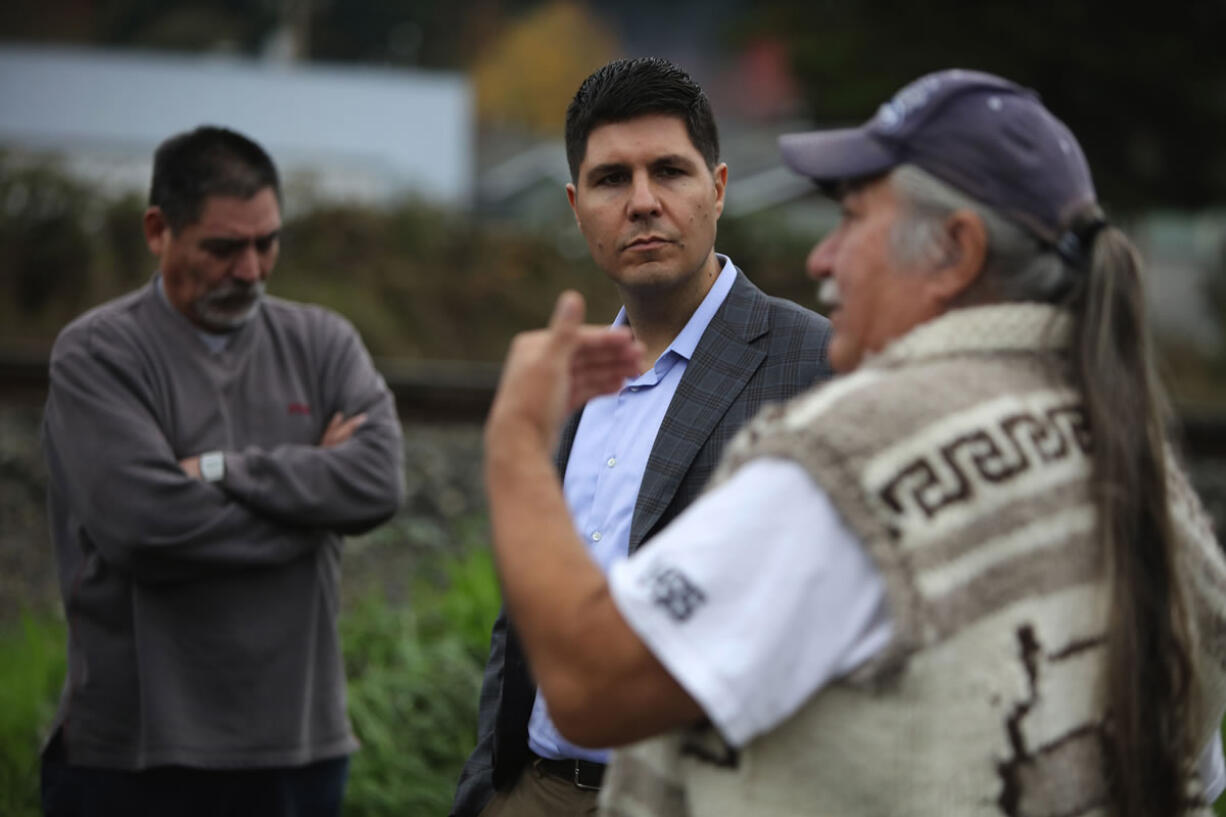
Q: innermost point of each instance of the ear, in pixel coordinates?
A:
(157, 230)
(570, 197)
(967, 241)
(720, 175)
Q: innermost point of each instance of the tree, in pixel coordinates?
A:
(531, 72)
(1143, 88)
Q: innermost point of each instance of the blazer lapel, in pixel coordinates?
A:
(722, 364)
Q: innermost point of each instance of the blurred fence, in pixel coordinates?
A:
(442, 405)
(461, 392)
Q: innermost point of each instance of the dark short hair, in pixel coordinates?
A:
(208, 161)
(629, 88)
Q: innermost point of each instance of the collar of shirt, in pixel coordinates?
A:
(216, 341)
(686, 342)
(617, 433)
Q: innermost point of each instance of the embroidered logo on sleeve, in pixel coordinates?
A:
(673, 590)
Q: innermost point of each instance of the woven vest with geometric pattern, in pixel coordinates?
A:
(959, 458)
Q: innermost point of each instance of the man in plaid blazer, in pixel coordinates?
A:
(647, 190)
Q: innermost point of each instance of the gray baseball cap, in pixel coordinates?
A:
(982, 134)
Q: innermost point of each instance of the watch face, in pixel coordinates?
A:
(212, 466)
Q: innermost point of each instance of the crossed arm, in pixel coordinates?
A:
(116, 474)
(603, 685)
(339, 429)
(348, 482)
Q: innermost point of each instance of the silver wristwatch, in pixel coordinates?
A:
(212, 466)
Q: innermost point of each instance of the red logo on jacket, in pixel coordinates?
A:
(299, 408)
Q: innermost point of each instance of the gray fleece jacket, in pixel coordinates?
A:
(202, 616)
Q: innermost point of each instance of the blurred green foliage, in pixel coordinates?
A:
(416, 280)
(63, 247)
(414, 674)
(32, 664)
(425, 283)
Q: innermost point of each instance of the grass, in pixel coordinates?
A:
(32, 663)
(414, 674)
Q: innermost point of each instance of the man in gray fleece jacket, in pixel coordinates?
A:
(207, 447)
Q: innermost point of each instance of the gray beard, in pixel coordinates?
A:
(228, 307)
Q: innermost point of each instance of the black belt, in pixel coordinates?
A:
(583, 773)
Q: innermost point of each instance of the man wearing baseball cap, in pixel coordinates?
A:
(966, 578)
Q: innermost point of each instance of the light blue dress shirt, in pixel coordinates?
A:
(606, 465)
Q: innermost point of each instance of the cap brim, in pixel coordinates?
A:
(833, 156)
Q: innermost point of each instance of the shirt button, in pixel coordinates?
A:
(612, 461)
(596, 536)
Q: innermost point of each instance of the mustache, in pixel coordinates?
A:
(233, 294)
(828, 292)
(229, 306)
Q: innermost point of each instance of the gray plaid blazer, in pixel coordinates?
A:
(756, 350)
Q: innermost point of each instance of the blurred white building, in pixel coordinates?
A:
(336, 132)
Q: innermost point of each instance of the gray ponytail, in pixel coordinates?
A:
(1111, 361)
